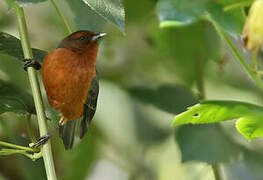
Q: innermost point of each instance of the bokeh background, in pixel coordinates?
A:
(147, 76)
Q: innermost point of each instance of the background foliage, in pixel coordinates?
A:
(169, 58)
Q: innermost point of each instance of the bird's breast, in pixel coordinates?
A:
(67, 77)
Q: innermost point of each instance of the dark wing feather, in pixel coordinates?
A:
(67, 133)
(90, 106)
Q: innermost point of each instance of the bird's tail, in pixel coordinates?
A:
(67, 133)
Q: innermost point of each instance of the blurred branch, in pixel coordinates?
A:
(30, 128)
(216, 170)
(6, 152)
(238, 5)
(46, 149)
(5, 144)
(200, 77)
(254, 76)
(61, 16)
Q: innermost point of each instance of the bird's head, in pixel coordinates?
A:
(82, 41)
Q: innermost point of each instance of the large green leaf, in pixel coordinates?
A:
(85, 17)
(195, 145)
(111, 10)
(183, 12)
(249, 116)
(10, 45)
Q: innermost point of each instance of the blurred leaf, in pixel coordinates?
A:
(15, 100)
(183, 12)
(23, 3)
(137, 10)
(111, 10)
(190, 47)
(82, 156)
(206, 143)
(85, 17)
(249, 167)
(32, 170)
(173, 99)
(12, 104)
(154, 133)
(11, 46)
(249, 116)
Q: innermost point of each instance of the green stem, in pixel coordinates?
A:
(239, 57)
(6, 152)
(5, 144)
(46, 149)
(216, 170)
(254, 60)
(61, 16)
(30, 128)
(237, 5)
(200, 77)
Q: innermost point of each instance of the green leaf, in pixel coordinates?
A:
(111, 10)
(23, 3)
(85, 17)
(13, 99)
(249, 116)
(195, 145)
(183, 12)
(12, 104)
(191, 47)
(10, 45)
(82, 156)
(14, 86)
(173, 99)
(248, 167)
(154, 134)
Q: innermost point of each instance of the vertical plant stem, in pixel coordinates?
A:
(200, 77)
(201, 89)
(254, 60)
(253, 75)
(30, 128)
(216, 170)
(61, 16)
(46, 149)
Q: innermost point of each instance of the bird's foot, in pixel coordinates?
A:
(31, 63)
(41, 141)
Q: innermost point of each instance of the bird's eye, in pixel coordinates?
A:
(83, 38)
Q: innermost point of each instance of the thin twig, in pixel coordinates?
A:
(253, 75)
(61, 16)
(5, 144)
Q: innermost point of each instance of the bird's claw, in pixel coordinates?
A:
(31, 63)
(41, 141)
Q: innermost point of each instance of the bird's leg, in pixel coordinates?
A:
(43, 139)
(31, 63)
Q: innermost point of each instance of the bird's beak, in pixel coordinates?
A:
(98, 36)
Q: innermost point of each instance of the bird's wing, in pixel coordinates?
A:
(67, 132)
(90, 106)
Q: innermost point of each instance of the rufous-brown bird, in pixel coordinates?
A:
(71, 83)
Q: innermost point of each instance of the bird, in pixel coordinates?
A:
(70, 80)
